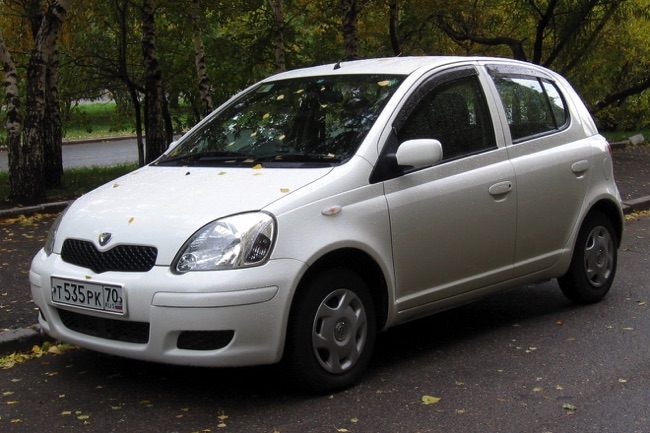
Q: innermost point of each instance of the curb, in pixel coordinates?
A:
(28, 210)
(21, 340)
(636, 205)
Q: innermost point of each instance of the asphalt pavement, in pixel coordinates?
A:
(23, 231)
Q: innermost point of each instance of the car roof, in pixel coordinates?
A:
(388, 65)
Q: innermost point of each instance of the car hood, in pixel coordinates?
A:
(164, 206)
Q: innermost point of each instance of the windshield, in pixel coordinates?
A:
(300, 122)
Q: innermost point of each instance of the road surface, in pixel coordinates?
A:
(95, 154)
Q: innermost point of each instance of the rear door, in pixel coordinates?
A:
(453, 224)
(552, 162)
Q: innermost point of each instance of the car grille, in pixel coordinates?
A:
(122, 258)
(110, 329)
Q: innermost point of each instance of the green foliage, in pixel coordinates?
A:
(600, 45)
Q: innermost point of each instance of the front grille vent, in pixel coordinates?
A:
(122, 258)
(110, 329)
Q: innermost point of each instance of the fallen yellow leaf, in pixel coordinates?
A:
(427, 399)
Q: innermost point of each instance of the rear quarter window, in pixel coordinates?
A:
(534, 106)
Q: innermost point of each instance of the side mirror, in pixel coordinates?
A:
(172, 144)
(419, 153)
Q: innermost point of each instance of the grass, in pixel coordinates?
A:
(99, 119)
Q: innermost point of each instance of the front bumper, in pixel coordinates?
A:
(246, 309)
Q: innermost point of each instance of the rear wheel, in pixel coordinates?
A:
(331, 332)
(594, 261)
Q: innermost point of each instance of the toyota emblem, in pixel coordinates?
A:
(104, 238)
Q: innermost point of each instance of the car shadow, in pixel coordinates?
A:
(404, 344)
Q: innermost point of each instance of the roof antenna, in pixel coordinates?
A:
(338, 65)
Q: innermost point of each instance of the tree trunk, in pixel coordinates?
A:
(153, 91)
(350, 15)
(14, 119)
(122, 8)
(278, 34)
(52, 153)
(137, 110)
(30, 185)
(199, 62)
(393, 26)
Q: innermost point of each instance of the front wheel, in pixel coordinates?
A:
(331, 332)
(593, 265)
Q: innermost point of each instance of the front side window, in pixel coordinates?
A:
(456, 114)
(533, 106)
(296, 122)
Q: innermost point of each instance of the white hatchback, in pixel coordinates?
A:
(323, 205)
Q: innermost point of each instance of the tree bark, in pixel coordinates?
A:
(393, 26)
(278, 34)
(515, 45)
(14, 118)
(29, 184)
(154, 93)
(53, 131)
(199, 62)
(350, 16)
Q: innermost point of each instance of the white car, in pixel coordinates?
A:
(323, 205)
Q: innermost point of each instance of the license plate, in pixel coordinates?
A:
(93, 296)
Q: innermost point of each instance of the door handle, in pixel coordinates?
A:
(580, 167)
(501, 188)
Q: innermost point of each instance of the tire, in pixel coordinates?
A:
(332, 331)
(593, 265)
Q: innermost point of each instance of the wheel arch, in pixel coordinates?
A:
(361, 263)
(613, 212)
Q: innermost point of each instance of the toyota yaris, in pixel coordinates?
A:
(323, 205)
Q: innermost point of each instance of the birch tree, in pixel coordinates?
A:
(27, 147)
(14, 118)
(199, 60)
(154, 95)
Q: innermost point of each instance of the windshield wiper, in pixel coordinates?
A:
(207, 156)
(299, 157)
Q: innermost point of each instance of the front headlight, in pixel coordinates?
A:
(51, 234)
(238, 241)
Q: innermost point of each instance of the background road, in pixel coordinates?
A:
(97, 154)
(525, 361)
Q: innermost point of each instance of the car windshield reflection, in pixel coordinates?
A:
(312, 121)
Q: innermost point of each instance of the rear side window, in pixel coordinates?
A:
(533, 106)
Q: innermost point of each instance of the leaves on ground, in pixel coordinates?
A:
(48, 348)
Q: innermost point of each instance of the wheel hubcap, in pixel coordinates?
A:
(340, 331)
(599, 256)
